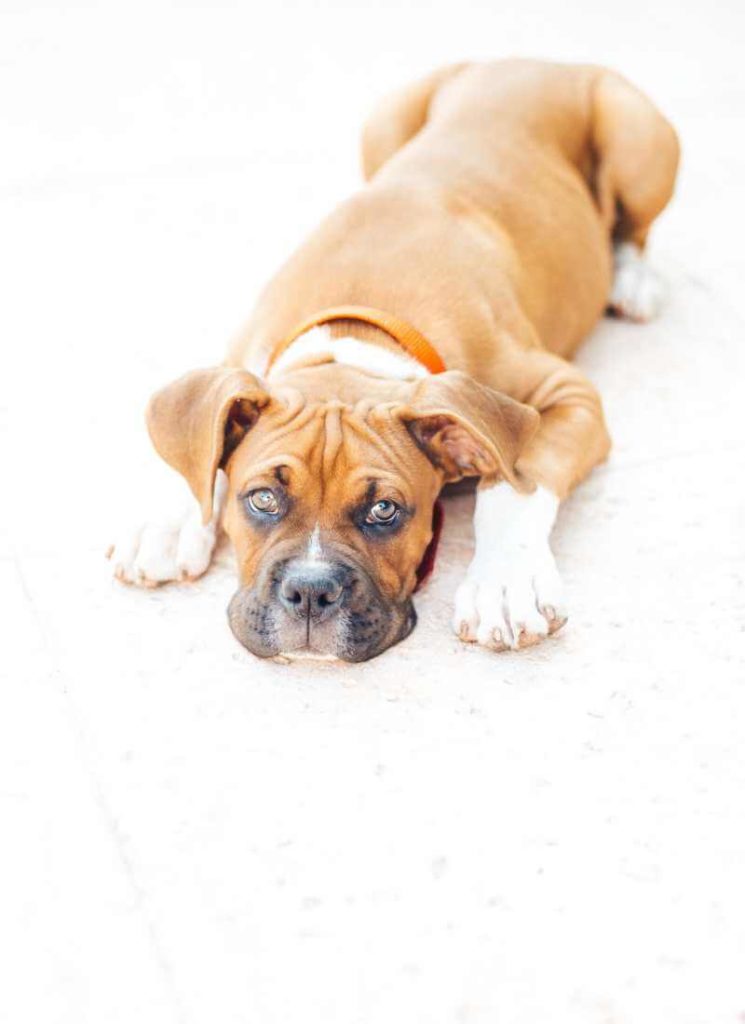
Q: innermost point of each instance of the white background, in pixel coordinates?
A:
(441, 836)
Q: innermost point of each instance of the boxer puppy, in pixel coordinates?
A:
(420, 335)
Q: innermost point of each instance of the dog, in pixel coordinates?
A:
(422, 334)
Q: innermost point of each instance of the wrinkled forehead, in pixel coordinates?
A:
(328, 451)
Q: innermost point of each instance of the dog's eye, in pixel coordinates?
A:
(383, 512)
(264, 500)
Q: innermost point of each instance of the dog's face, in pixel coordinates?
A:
(330, 500)
(329, 521)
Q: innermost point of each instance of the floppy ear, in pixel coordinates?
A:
(197, 421)
(467, 429)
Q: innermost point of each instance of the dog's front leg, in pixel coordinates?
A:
(512, 594)
(167, 541)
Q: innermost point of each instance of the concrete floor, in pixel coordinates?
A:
(441, 835)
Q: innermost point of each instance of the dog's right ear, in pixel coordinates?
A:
(467, 429)
(197, 421)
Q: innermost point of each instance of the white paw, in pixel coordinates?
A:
(512, 604)
(167, 547)
(638, 291)
(512, 594)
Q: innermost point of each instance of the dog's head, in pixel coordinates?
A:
(330, 499)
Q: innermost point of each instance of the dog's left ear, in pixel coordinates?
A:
(467, 429)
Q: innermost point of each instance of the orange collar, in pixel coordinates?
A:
(408, 337)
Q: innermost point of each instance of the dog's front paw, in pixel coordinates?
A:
(638, 291)
(510, 603)
(155, 553)
(170, 546)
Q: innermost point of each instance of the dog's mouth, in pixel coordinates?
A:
(265, 630)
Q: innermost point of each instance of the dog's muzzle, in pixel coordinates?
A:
(323, 608)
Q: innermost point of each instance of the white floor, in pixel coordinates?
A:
(439, 836)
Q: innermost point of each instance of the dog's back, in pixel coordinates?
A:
(517, 147)
(493, 193)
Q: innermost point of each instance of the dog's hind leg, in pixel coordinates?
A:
(638, 291)
(398, 118)
(637, 156)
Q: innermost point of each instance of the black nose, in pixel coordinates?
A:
(314, 594)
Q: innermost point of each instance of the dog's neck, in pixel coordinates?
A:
(361, 346)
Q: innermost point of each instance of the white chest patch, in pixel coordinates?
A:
(351, 352)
